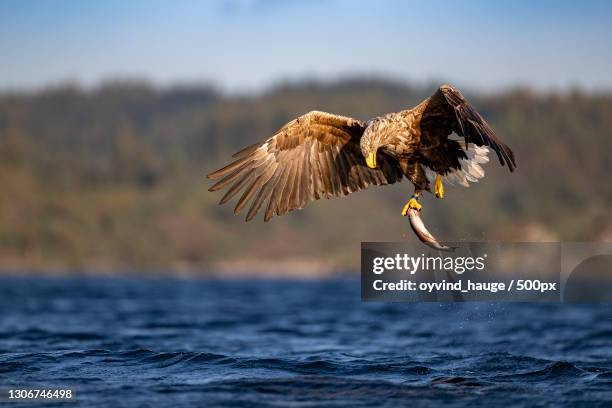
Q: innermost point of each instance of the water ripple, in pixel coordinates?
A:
(278, 343)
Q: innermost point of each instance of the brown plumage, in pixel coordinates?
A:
(320, 155)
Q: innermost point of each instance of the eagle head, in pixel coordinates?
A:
(369, 143)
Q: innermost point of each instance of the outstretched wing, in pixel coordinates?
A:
(316, 155)
(448, 111)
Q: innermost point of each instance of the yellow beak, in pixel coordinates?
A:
(371, 160)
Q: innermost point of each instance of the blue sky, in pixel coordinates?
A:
(251, 44)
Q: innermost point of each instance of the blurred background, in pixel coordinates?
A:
(111, 114)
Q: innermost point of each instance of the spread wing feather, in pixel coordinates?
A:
(314, 156)
(448, 111)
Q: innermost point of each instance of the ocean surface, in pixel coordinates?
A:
(259, 343)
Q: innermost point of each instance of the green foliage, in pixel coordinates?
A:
(115, 177)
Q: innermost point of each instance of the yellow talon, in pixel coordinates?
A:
(439, 187)
(412, 203)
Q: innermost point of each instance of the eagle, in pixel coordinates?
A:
(322, 155)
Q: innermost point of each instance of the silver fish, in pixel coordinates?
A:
(423, 234)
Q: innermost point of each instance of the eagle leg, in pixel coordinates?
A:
(412, 203)
(439, 187)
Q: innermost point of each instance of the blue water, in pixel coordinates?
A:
(162, 342)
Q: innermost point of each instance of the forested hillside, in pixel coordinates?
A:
(114, 177)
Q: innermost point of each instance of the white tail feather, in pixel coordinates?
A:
(471, 170)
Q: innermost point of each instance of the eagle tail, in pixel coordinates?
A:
(471, 170)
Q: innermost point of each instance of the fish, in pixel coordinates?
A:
(426, 237)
